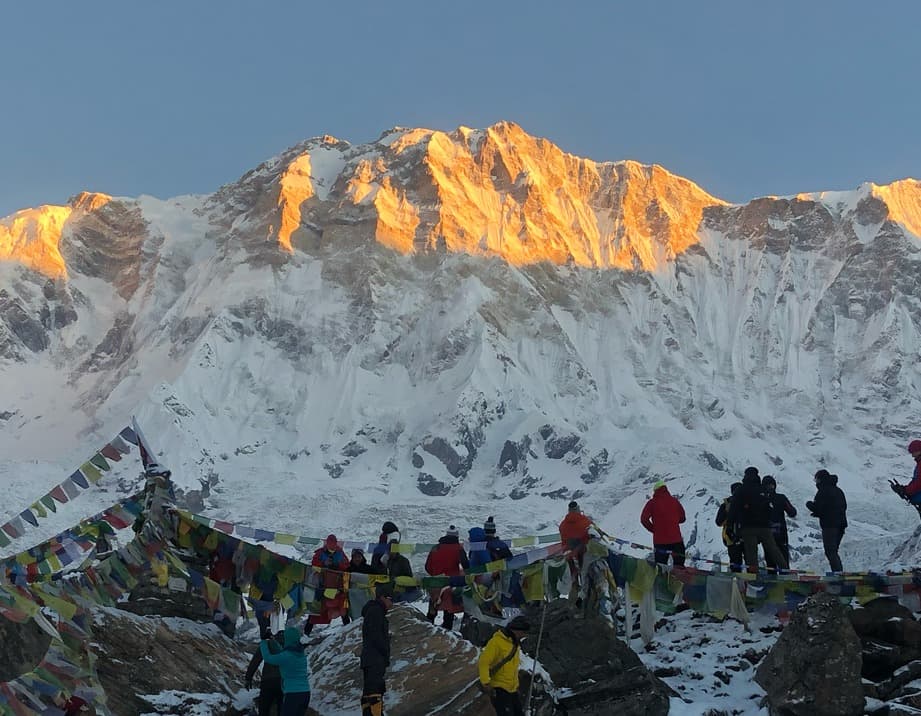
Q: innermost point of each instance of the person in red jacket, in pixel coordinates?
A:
(332, 584)
(913, 489)
(447, 559)
(661, 516)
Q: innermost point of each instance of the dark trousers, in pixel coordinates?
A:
(270, 699)
(784, 546)
(736, 556)
(506, 703)
(751, 538)
(295, 704)
(677, 551)
(831, 540)
(373, 680)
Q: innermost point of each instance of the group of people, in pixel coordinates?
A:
(755, 514)
(284, 686)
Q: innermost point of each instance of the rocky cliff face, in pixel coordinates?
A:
(437, 321)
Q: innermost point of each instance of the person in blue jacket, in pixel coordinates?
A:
(478, 557)
(295, 672)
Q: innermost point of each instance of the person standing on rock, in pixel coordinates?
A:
(574, 536)
(750, 508)
(498, 667)
(389, 533)
(662, 516)
(332, 590)
(447, 559)
(830, 506)
(375, 649)
(731, 531)
(270, 693)
(781, 508)
(295, 671)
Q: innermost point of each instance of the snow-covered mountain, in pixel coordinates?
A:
(436, 327)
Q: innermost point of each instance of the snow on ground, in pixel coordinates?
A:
(709, 663)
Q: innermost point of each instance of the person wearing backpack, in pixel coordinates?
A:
(498, 667)
(731, 532)
(750, 508)
(781, 508)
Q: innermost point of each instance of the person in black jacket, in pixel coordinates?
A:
(731, 531)
(375, 649)
(270, 693)
(781, 507)
(830, 506)
(750, 509)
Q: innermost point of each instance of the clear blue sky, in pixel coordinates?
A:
(744, 98)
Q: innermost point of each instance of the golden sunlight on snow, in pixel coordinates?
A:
(296, 186)
(903, 198)
(31, 237)
(503, 192)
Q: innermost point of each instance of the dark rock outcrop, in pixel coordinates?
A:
(889, 634)
(24, 646)
(814, 668)
(600, 673)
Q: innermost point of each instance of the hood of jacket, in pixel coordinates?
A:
(293, 638)
(477, 534)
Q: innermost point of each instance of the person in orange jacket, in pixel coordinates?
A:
(662, 516)
(574, 535)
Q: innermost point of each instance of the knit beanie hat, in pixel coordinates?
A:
(452, 531)
(489, 527)
(573, 506)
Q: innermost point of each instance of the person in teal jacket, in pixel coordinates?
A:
(295, 672)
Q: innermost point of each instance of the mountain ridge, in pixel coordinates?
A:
(291, 324)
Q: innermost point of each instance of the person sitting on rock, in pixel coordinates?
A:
(447, 559)
(662, 516)
(830, 506)
(270, 693)
(332, 591)
(498, 667)
(731, 532)
(781, 507)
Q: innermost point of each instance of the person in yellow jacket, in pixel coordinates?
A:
(498, 667)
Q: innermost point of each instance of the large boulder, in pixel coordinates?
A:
(431, 670)
(24, 646)
(814, 667)
(591, 670)
(890, 635)
(165, 664)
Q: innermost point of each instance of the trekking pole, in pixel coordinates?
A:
(543, 616)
